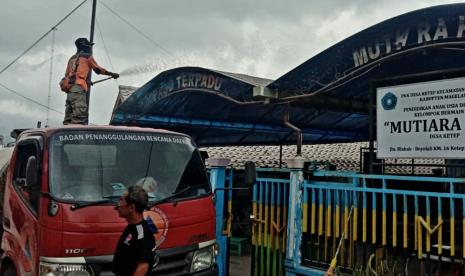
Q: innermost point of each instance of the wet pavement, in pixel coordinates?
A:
(239, 266)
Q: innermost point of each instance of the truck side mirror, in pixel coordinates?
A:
(250, 174)
(31, 172)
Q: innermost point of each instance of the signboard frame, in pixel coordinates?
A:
(396, 81)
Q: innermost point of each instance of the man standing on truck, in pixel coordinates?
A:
(75, 82)
(135, 250)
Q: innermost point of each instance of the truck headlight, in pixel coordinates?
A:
(203, 259)
(49, 269)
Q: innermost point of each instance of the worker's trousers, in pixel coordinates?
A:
(76, 106)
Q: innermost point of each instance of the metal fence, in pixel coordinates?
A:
(269, 210)
(393, 217)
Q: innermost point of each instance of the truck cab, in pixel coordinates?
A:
(62, 186)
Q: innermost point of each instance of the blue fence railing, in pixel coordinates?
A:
(269, 210)
(399, 216)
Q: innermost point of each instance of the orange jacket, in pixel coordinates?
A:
(84, 64)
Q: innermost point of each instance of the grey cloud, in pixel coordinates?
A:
(265, 38)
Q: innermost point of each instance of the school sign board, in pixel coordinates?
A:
(422, 120)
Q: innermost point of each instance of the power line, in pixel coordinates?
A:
(29, 99)
(42, 37)
(105, 45)
(137, 30)
(49, 96)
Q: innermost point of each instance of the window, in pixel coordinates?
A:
(91, 166)
(30, 192)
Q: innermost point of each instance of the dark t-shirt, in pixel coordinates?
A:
(136, 244)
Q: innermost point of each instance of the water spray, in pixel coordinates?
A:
(160, 65)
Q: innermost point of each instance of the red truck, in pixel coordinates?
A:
(62, 185)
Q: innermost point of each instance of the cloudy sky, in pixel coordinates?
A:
(141, 38)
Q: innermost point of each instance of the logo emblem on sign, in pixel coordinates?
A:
(389, 101)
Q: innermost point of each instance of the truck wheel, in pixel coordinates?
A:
(9, 271)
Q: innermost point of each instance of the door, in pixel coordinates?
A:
(24, 205)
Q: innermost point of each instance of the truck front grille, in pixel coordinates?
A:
(175, 261)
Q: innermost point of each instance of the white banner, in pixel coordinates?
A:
(421, 120)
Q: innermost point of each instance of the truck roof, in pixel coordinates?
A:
(49, 131)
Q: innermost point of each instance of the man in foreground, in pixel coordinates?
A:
(136, 248)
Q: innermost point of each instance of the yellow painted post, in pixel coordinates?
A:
(346, 217)
(285, 203)
(405, 224)
(260, 217)
(428, 236)
(355, 219)
(440, 236)
(394, 229)
(384, 218)
(280, 202)
(373, 219)
(278, 224)
(354, 237)
(254, 212)
(415, 231)
(265, 229)
(328, 216)
(305, 212)
(364, 218)
(384, 228)
(420, 240)
(452, 236)
(428, 222)
(328, 223)
(230, 218)
(394, 221)
(373, 226)
(313, 213)
(272, 217)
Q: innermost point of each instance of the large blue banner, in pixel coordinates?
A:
(419, 41)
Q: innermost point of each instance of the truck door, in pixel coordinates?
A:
(24, 204)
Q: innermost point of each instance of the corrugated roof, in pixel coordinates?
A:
(219, 108)
(346, 157)
(255, 81)
(124, 91)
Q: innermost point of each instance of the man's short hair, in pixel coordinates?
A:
(137, 196)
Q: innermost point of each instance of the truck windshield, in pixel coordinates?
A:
(91, 166)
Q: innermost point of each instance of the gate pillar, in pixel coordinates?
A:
(218, 180)
(294, 223)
